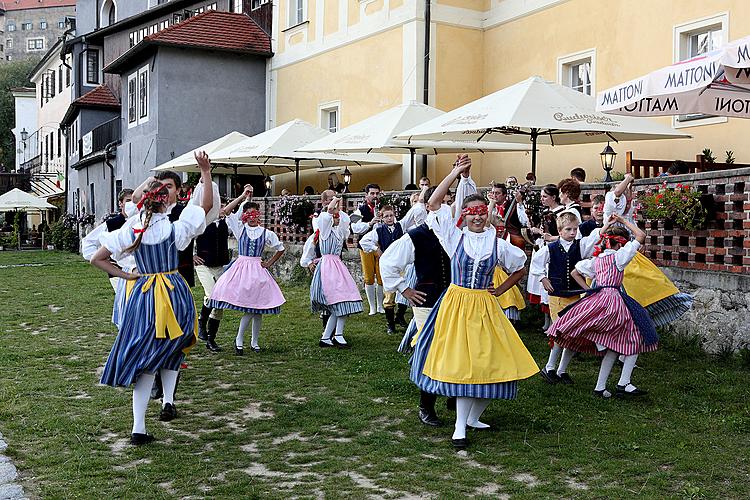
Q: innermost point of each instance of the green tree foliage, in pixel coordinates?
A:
(12, 74)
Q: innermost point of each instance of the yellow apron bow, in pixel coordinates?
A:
(163, 312)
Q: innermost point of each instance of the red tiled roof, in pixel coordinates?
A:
(216, 30)
(101, 96)
(35, 4)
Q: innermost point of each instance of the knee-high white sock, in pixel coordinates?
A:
(477, 408)
(330, 326)
(168, 384)
(380, 292)
(141, 395)
(463, 407)
(627, 370)
(340, 322)
(257, 320)
(244, 322)
(567, 355)
(372, 299)
(553, 355)
(606, 368)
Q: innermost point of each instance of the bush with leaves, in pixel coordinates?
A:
(401, 203)
(294, 212)
(64, 233)
(681, 205)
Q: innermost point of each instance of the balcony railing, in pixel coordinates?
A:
(32, 166)
(96, 140)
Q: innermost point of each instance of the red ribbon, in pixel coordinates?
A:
(154, 195)
(475, 210)
(187, 196)
(251, 215)
(606, 239)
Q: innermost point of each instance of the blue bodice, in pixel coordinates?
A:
(251, 247)
(158, 257)
(463, 268)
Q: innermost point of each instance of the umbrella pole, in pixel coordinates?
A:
(534, 135)
(413, 167)
(296, 173)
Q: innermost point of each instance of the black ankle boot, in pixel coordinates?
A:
(202, 319)
(324, 318)
(427, 413)
(400, 320)
(212, 327)
(391, 320)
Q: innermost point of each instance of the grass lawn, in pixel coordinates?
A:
(298, 421)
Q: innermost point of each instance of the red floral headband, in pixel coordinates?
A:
(475, 210)
(606, 239)
(252, 215)
(154, 195)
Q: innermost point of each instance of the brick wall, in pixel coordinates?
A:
(724, 245)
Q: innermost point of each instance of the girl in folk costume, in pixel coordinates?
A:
(159, 322)
(501, 214)
(643, 280)
(332, 288)
(246, 285)
(607, 319)
(570, 191)
(467, 348)
(550, 198)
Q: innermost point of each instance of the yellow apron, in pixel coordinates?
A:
(645, 282)
(512, 297)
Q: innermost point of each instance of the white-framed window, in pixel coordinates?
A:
(34, 44)
(92, 66)
(692, 39)
(43, 24)
(61, 24)
(143, 94)
(255, 4)
(11, 27)
(330, 116)
(9, 43)
(132, 103)
(28, 26)
(296, 12)
(138, 97)
(578, 71)
(108, 13)
(164, 24)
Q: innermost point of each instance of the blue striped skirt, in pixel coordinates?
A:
(136, 349)
(120, 298)
(512, 313)
(667, 310)
(500, 390)
(405, 346)
(318, 301)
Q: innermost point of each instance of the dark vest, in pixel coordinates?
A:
(212, 246)
(431, 264)
(184, 257)
(367, 216)
(386, 237)
(561, 264)
(114, 223)
(588, 227)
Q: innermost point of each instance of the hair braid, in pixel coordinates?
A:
(146, 223)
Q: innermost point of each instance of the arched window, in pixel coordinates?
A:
(112, 14)
(108, 13)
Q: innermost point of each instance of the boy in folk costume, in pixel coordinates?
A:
(332, 288)
(363, 220)
(468, 348)
(555, 263)
(92, 242)
(247, 285)
(597, 216)
(379, 240)
(159, 321)
(608, 320)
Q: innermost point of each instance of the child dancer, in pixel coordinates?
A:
(554, 263)
(158, 325)
(607, 319)
(332, 288)
(643, 280)
(597, 216)
(246, 285)
(467, 348)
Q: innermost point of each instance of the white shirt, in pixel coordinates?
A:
(191, 223)
(393, 263)
(622, 257)
(234, 222)
(478, 246)
(325, 228)
(197, 197)
(611, 206)
(92, 242)
(465, 188)
(540, 260)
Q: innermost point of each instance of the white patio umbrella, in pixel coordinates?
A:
(715, 83)
(15, 199)
(275, 151)
(376, 134)
(187, 160)
(538, 112)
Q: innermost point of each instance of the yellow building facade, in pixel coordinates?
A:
(340, 61)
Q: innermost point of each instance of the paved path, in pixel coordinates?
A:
(9, 488)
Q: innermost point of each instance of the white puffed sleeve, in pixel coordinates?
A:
(539, 263)
(117, 241)
(393, 263)
(586, 267)
(90, 244)
(465, 188)
(414, 216)
(588, 243)
(308, 252)
(611, 206)
(192, 223)
(234, 223)
(273, 242)
(197, 197)
(369, 242)
(625, 254)
(358, 226)
(442, 224)
(343, 229)
(509, 256)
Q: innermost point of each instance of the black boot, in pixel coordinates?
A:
(212, 327)
(202, 318)
(324, 318)
(427, 413)
(391, 320)
(400, 320)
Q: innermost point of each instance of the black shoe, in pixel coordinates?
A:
(212, 346)
(620, 392)
(340, 345)
(238, 351)
(390, 330)
(460, 444)
(429, 419)
(564, 378)
(549, 376)
(255, 349)
(168, 413)
(390, 320)
(202, 319)
(450, 404)
(400, 320)
(322, 343)
(604, 394)
(137, 439)
(202, 334)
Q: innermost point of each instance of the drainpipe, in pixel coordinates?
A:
(107, 150)
(426, 90)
